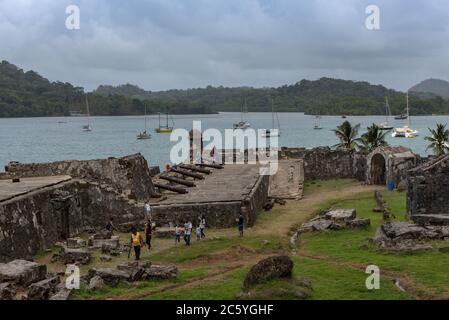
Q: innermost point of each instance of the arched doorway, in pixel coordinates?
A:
(378, 169)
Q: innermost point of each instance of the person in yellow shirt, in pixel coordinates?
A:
(136, 242)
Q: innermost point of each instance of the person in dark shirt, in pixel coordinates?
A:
(148, 233)
(110, 226)
(241, 222)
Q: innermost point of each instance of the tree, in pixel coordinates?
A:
(439, 140)
(347, 134)
(372, 139)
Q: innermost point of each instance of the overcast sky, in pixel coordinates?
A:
(164, 44)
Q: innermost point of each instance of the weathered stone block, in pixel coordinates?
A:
(96, 283)
(341, 214)
(270, 268)
(71, 256)
(75, 243)
(358, 223)
(110, 276)
(160, 272)
(7, 291)
(112, 243)
(42, 290)
(22, 272)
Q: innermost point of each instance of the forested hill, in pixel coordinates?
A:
(431, 87)
(27, 94)
(325, 96)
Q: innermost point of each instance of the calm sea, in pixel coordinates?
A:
(51, 139)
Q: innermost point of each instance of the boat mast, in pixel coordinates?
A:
(88, 113)
(167, 119)
(408, 113)
(272, 113)
(145, 117)
(386, 110)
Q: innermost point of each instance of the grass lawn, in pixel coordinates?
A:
(333, 261)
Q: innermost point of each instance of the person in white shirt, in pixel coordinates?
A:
(187, 232)
(147, 209)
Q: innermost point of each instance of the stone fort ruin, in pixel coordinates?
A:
(43, 203)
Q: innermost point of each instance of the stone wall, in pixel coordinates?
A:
(288, 182)
(325, 163)
(36, 220)
(255, 201)
(428, 188)
(217, 214)
(129, 175)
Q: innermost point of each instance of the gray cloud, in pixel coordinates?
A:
(162, 44)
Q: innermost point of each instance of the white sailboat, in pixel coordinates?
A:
(87, 127)
(268, 133)
(405, 131)
(386, 125)
(243, 124)
(144, 135)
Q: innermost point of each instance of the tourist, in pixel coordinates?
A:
(241, 221)
(178, 230)
(202, 224)
(147, 208)
(187, 232)
(148, 233)
(110, 226)
(198, 233)
(136, 242)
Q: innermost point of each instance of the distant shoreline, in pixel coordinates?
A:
(218, 112)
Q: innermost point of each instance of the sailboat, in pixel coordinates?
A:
(385, 125)
(87, 127)
(166, 128)
(268, 132)
(144, 135)
(243, 124)
(317, 125)
(405, 131)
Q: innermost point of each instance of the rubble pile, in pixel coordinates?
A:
(129, 272)
(26, 280)
(336, 219)
(399, 236)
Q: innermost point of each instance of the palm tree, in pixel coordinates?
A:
(347, 134)
(439, 140)
(372, 139)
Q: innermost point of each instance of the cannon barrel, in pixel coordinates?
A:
(194, 168)
(188, 173)
(171, 188)
(184, 182)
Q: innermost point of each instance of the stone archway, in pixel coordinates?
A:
(378, 170)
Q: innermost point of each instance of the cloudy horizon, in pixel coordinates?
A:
(179, 44)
